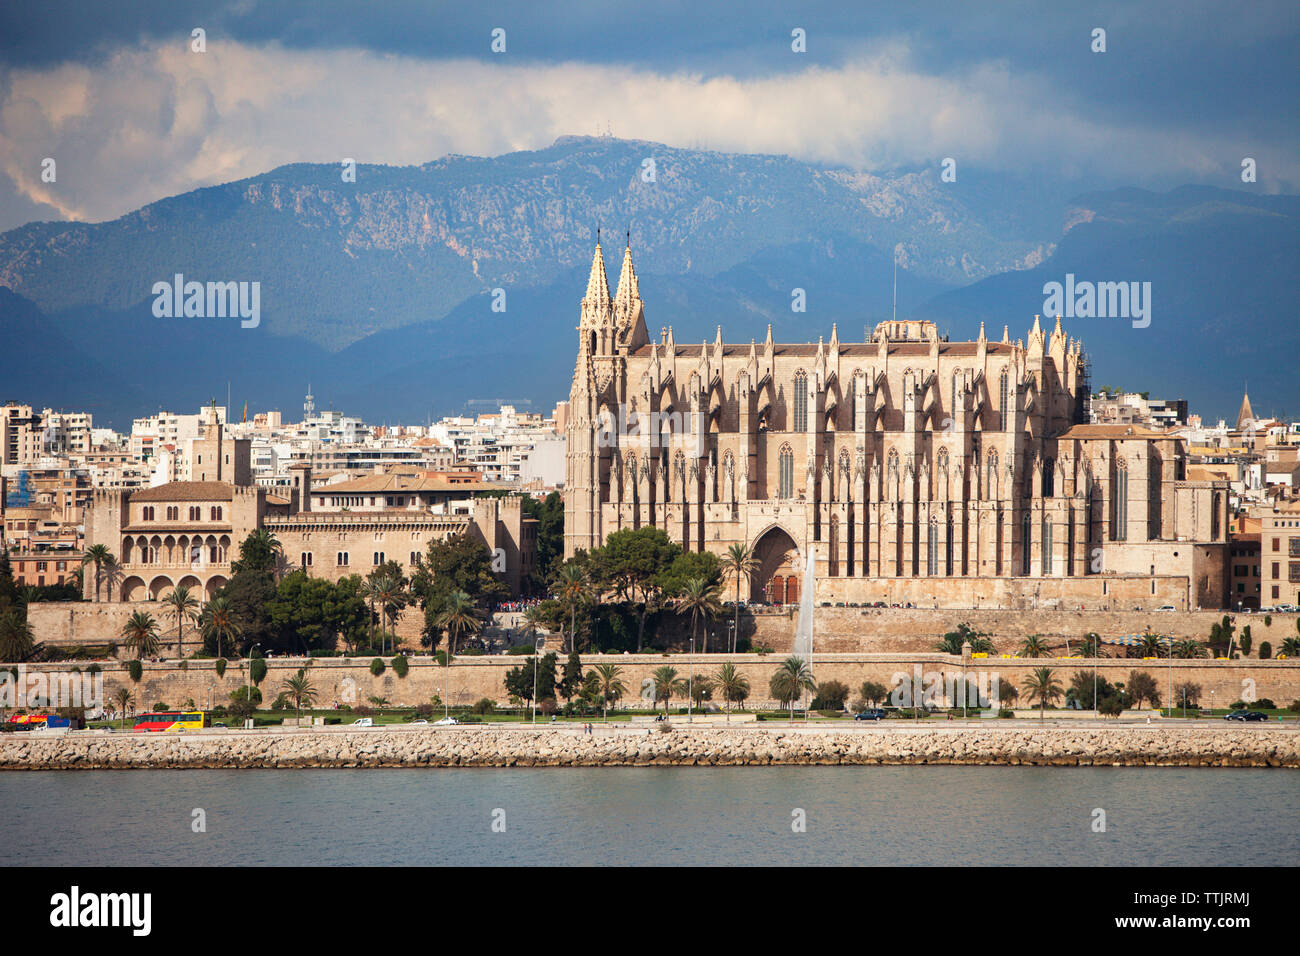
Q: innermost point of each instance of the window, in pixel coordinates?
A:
(800, 401)
(415, 557)
(1003, 406)
(1277, 543)
(1049, 477)
(216, 514)
(1026, 527)
(195, 513)
(932, 552)
(1047, 548)
(342, 559)
(146, 514)
(785, 479)
(1119, 503)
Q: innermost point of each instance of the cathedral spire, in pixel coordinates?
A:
(597, 296)
(628, 291)
(1246, 415)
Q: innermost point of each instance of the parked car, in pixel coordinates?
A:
(1166, 607)
(1247, 715)
(446, 722)
(364, 722)
(419, 723)
(871, 713)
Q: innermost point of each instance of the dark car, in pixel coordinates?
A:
(872, 713)
(1246, 715)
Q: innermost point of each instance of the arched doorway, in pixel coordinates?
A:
(777, 580)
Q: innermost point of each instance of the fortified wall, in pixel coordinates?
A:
(339, 681)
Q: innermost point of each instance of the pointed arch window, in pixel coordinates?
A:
(932, 551)
(956, 385)
(1026, 526)
(785, 474)
(800, 401)
(1049, 477)
(1119, 503)
(1003, 403)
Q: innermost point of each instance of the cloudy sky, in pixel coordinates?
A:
(130, 113)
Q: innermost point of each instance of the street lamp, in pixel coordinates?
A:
(248, 690)
(537, 649)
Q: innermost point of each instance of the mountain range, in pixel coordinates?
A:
(385, 293)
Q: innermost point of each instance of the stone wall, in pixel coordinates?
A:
(838, 630)
(349, 681)
(637, 747)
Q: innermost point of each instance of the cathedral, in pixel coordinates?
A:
(908, 468)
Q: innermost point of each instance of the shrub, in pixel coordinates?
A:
(377, 666)
(93, 669)
(1268, 620)
(423, 710)
(134, 670)
(160, 706)
(219, 710)
(185, 665)
(1264, 703)
(484, 705)
(257, 670)
(400, 665)
(831, 695)
(361, 710)
(548, 706)
(1294, 706)
(1265, 650)
(828, 712)
(470, 719)
(1110, 706)
(1006, 714)
(220, 667)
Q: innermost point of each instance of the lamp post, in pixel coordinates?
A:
(248, 688)
(537, 649)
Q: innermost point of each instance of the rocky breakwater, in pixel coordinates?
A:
(623, 747)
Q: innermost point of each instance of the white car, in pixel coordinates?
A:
(419, 723)
(364, 722)
(446, 722)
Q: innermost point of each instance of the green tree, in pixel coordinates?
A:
(1246, 642)
(16, 636)
(874, 693)
(123, 699)
(571, 682)
(1041, 685)
(1142, 686)
(610, 686)
(299, 688)
(140, 634)
(260, 551)
(184, 606)
(732, 685)
(831, 695)
(100, 557)
(739, 562)
(462, 563)
(1033, 646)
(699, 599)
(667, 682)
(631, 560)
(217, 623)
(1290, 646)
(1188, 649)
(573, 589)
(791, 679)
(980, 641)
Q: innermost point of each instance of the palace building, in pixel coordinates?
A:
(908, 468)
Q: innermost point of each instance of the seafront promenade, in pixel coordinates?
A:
(972, 743)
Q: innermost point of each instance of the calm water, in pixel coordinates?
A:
(662, 816)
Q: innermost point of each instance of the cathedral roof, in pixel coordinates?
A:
(187, 491)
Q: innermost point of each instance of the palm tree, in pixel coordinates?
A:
(184, 605)
(16, 635)
(700, 599)
(1041, 685)
(141, 634)
(667, 683)
(572, 588)
(370, 588)
(99, 555)
(299, 687)
(1193, 649)
(739, 561)
(218, 620)
(392, 597)
(610, 684)
(1151, 645)
(1090, 646)
(458, 618)
(123, 698)
(1033, 646)
(534, 621)
(1291, 647)
(732, 684)
(792, 678)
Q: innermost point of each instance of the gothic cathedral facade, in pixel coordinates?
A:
(910, 469)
